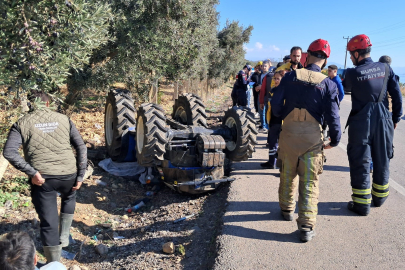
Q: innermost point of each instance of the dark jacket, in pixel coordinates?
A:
(321, 100)
(242, 81)
(255, 78)
(365, 83)
(274, 119)
(46, 146)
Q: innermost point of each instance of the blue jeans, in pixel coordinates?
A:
(262, 114)
(249, 95)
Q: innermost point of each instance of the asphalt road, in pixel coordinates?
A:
(255, 236)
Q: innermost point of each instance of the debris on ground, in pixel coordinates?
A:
(128, 240)
(168, 248)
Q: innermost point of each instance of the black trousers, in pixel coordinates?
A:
(45, 203)
(256, 100)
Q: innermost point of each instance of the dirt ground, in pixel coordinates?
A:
(100, 218)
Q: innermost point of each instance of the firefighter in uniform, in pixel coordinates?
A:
(304, 99)
(47, 138)
(371, 125)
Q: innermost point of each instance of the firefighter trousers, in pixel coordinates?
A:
(371, 135)
(301, 153)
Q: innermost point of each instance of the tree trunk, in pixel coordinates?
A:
(176, 90)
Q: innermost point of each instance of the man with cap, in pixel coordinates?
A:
(332, 74)
(286, 59)
(304, 99)
(371, 125)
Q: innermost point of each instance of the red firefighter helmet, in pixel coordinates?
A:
(359, 42)
(320, 45)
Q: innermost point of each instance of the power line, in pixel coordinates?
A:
(390, 27)
(390, 44)
(390, 40)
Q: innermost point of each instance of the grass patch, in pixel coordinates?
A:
(10, 190)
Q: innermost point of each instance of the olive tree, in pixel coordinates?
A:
(41, 42)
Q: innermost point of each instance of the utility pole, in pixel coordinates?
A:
(346, 49)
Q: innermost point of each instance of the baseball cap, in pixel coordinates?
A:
(334, 67)
(286, 57)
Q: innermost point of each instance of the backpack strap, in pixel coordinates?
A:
(310, 76)
(387, 74)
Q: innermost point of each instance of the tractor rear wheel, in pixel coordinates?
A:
(119, 116)
(189, 109)
(242, 123)
(151, 136)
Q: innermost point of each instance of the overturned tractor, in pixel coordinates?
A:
(185, 154)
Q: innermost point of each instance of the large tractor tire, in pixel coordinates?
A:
(119, 116)
(151, 136)
(242, 123)
(189, 109)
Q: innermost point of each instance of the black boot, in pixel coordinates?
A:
(306, 236)
(287, 215)
(377, 201)
(354, 207)
(306, 233)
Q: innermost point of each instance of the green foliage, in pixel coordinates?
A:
(11, 189)
(229, 56)
(17, 184)
(181, 250)
(6, 196)
(89, 43)
(155, 39)
(42, 41)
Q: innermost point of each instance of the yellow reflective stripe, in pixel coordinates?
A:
(361, 191)
(381, 195)
(361, 200)
(381, 187)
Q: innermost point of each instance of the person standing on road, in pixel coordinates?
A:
(286, 59)
(294, 63)
(256, 79)
(239, 95)
(274, 125)
(304, 98)
(332, 74)
(386, 59)
(371, 125)
(47, 138)
(265, 69)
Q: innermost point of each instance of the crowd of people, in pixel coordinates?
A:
(298, 107)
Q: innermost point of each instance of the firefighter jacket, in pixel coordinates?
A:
(365, 83)
(318, 97)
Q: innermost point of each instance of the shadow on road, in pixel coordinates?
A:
(336, 168)
(261, 235)
(271, 212)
